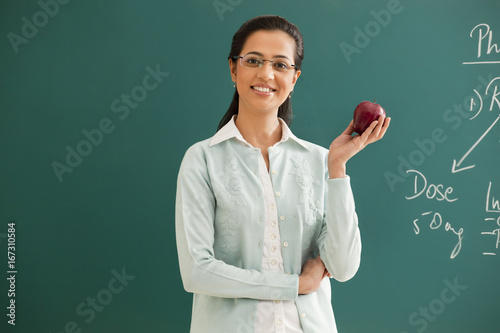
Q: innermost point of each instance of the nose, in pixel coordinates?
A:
(266, 71)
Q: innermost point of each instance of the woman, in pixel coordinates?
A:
(263, 217)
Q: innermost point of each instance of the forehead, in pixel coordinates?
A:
(270, 44)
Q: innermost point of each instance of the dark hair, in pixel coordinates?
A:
(270, 23)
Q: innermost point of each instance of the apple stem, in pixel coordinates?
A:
(374, 101)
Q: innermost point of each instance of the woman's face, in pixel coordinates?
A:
(270, 45)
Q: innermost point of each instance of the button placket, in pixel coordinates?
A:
(272, 259)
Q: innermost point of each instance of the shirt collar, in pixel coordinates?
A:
(230, 131)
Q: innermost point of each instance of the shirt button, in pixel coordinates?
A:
(273, 224)
(273, 248)
(273, 236)
(303, 315)
(279, 322)
(274, 262)
(285, 244)
(274, 172)
(278, 194)
(272, 206)
(277, 301)
(282, 217)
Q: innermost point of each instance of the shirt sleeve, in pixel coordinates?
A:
(201, 272)
(339, 242)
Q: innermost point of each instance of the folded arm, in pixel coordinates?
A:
(201, 272)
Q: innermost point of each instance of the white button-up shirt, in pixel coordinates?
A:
(274, 316)
(243, 233)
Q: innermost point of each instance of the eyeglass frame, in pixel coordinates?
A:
(262, 62)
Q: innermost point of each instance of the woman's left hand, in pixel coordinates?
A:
(346, 146)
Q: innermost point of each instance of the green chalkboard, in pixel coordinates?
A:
(99, 100)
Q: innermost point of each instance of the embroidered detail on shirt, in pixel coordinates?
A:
(232, 189)
(305, 179)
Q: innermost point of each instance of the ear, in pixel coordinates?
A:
(296, 76)
(232, 69)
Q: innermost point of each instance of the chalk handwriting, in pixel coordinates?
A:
(456, 165)
(483, 32)
(433, 191)
(494, 98)
(436, 223)
(492, 206)
(494, 232)
(495, 204)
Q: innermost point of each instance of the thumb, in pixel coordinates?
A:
(350, 129)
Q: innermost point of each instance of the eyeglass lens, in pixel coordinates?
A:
(253, 61)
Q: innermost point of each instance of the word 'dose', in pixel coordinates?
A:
(433, 191)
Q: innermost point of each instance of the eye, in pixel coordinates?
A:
(281, 65)
(252, 61)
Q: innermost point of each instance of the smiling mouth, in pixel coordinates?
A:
(262, 89)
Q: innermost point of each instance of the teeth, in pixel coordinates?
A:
(262, 89)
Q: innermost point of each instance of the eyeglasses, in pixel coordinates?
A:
(253, 61)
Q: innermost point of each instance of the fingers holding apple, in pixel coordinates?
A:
(370, 121)
(365, 114)
(371, 124)
(376, 130)
(383, 125)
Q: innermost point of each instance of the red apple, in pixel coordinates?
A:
(364, 114)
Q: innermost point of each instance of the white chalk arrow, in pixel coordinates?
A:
(456, 165)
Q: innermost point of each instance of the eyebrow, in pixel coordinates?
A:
(261, 55)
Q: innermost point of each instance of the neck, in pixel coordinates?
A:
(261, 131)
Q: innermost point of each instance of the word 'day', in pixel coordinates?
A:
(436, 222)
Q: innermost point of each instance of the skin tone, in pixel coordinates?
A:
(258, 115)
(258, 123)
